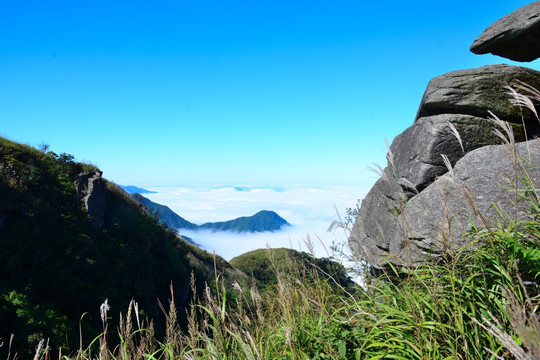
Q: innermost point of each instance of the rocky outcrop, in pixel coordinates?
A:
(462, 99)
(418, 210)
(415, 156)
(514, 37)
(90, 186)
(484, 185)
(437, 220)
(475, 91)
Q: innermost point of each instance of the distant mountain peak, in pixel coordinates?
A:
(132, 189)
(165, 214)
(264, 220)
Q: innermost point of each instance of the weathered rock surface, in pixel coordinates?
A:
(515, 36)
(377, 225)
(440, 216)
(90, 185)
(436, 220)
(417, 151)
(414, 161)
(474, 91)
(461, 98)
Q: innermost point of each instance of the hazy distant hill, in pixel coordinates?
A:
(131, 189)
(262, 221)
(165, 214)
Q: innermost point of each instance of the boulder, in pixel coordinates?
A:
(459, 98)
(516, 36)
(377, 224)
(417, 151)
(481, 188)
(436, 220)
(474, 91)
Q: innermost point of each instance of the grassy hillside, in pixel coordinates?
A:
(55, 266)
(265, 264)
(480, 303)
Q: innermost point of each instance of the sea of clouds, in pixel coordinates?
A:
(309, 209)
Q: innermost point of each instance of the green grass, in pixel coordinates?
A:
(479, 304)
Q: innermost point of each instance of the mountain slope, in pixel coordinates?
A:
(56, 264)
(262, 221)
(131, 189)
(265, 264)
(164, 213)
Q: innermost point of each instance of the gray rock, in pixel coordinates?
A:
(516, 36)
(91, 187)
(473, 91)
(417, 151)
(378, 221)
(437, 220)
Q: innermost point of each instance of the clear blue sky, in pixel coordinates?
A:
(229, 92)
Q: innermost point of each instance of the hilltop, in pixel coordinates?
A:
(264, 265)
(262, 221)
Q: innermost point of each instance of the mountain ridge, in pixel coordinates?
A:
(264, 220)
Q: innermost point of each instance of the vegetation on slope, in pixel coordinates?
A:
(164, 214)
(55, 266)
(481, 303)
(264, 265)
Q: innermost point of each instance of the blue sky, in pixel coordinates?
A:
(262, 92)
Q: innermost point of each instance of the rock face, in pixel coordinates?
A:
(381, 232)
(462, 99)
(475, 91)
(390, 229)
(515, 36)
(483, 182)
(418, 209)
(91, 188)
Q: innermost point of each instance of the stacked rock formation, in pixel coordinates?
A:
(419, 209)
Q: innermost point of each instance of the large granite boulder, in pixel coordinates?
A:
(418, 209)
(516, 36)
(481, 188)
(378, 222)
(417, 151)
(474, 91)
(436, 220)
(460, 98)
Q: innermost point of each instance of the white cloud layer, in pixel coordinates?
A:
(309, 210)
